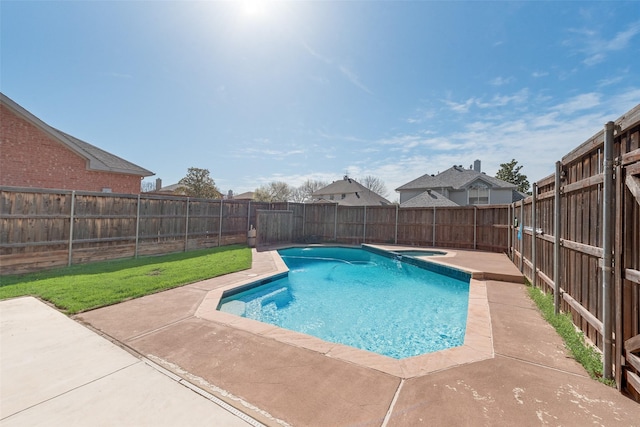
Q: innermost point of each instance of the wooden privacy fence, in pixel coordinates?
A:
(47, 228)
(485, 228)
(578, 236)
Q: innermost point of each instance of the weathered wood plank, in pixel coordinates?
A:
(626, 121)
(583, 248)
(633, 380)
(634, 361)
(632, 275)
(633, 184)
(583, 183)
(631, 157)
(632, 344)
(583, 312)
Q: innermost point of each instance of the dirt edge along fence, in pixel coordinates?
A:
(578, 237)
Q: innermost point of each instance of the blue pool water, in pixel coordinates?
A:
(361, 299)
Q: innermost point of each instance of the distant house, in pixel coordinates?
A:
(457, 186)
(348, 192)
(37, 155)
(169, 190)
(244, 196)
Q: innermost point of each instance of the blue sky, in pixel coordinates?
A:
(262, 91)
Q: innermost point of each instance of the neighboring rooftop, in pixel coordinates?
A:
(429, 198)
(348, 192)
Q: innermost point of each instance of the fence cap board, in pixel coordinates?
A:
(626, 121)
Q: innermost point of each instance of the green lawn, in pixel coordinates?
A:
(84, 287)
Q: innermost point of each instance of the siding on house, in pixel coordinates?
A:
(33, 154)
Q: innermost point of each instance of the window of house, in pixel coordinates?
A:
(478, 194)
(343, 196)
(331, 197)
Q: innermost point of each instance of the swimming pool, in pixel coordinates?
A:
(361, 299)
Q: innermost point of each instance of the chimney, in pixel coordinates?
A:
(158, 184)
(476, 166)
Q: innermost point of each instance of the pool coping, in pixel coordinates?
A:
(478, 341)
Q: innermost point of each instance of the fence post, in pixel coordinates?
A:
(396, 232)
(534, 215)
(335, 224)
(433, 228)
(220, 227)
(521, 244)
(607, 222)
(617, 323)
(135, 253)
(71, 221)
(556, 240)
(364, 233)
(186, 227)
(304, 219)
(509, 232)
(475, 227)
(249, 216)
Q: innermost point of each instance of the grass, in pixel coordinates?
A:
(88, 286)
(574, 340)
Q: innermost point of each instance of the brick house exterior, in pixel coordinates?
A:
(34, 154)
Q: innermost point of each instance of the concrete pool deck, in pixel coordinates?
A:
(528, 379)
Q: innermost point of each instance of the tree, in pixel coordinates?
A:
(304, 192)
(374, 184)
(198, 183)
(146, 186)
(276, 191)
(510, 172)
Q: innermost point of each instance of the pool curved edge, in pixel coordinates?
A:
(478, 342)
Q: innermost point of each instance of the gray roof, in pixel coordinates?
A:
(455, 177)
(459, 177)
(355, 194)
(428, 199)
(168, 189)
(516, 195)
(424, 182)
(97, 159)
(247, 195)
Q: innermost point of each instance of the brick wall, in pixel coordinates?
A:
(31, 158)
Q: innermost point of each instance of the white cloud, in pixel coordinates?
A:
(421, 116)
(580, 102)
(353, 78)
(344, 70)
(538, 74)
(460, 107)
(268, 152)
(596, 47)
(536, 138)
(501, 81)
(496, 100)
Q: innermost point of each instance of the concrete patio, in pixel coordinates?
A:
(525, 378)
